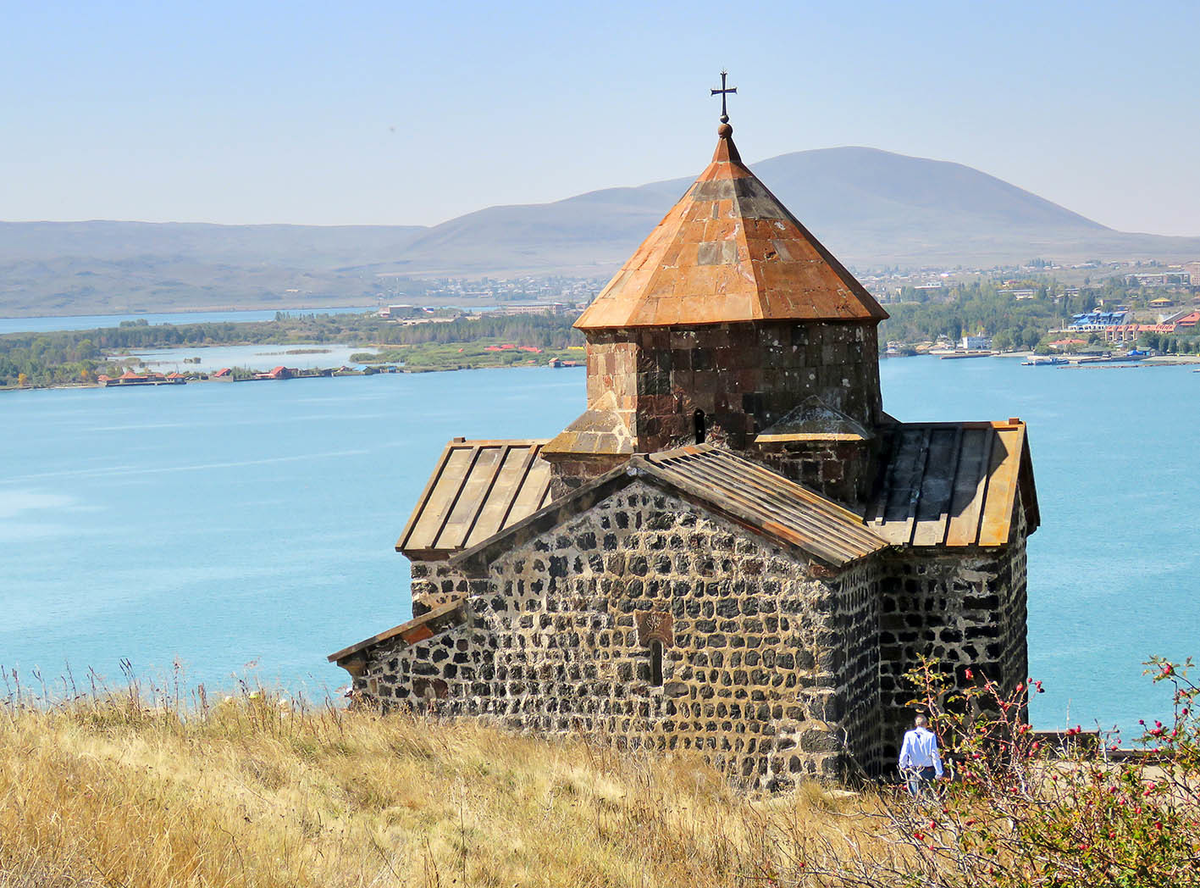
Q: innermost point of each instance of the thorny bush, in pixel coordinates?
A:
(1021, 810)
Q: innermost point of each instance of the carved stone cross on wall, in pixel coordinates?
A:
(656, 626)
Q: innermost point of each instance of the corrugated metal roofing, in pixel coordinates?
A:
(729, 251)
(477, 489)
(766, 501)
(953, 484)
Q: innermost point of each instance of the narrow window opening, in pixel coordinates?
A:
(656, 655)
(698, 419)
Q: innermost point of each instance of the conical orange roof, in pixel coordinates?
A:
(729, 251)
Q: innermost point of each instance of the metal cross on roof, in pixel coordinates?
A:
(723, 92)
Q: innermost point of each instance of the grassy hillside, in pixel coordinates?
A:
(256, 791)
(148, 790)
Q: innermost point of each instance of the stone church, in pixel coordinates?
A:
(733, 549)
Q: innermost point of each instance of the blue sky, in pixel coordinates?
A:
(399, 113)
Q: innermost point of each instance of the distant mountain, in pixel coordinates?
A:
(871, 208)
(49, 268)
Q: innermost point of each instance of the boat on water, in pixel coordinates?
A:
(131, 378)
(1045, 362)
(966, 354)
(1129, 358)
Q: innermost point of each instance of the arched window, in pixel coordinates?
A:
(698, 419)
(656, 657)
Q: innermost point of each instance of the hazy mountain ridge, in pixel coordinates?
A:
(870, 207)
(339, 244)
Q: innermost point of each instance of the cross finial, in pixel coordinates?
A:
(723, 92)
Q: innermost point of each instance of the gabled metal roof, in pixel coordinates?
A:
(813, 420)
(954, 484)
(719, 482)
(477, 489)
(767, 502)
(729, 251)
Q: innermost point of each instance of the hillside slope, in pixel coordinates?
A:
(254, 793)
(52, 268)
(871, 207)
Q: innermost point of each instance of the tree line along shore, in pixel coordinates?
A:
(442, 340)
(447, 339)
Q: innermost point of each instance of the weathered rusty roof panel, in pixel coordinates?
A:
(727, 485)
(953, 484)
(477, 489)
(765, 500)
(729, 251)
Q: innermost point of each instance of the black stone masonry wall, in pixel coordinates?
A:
(651, 623)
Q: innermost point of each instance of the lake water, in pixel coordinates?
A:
(254, 357)
(254, 524)
(91, 322)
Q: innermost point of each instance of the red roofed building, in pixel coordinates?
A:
(1130, 332)
(1188, 321)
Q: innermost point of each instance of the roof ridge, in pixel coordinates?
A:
(852, 538)
(811, 497)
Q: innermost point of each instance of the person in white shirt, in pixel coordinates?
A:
(919, 760)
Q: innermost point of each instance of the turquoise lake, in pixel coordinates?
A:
(247, 530)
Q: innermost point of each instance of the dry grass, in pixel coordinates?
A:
(258, 792)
